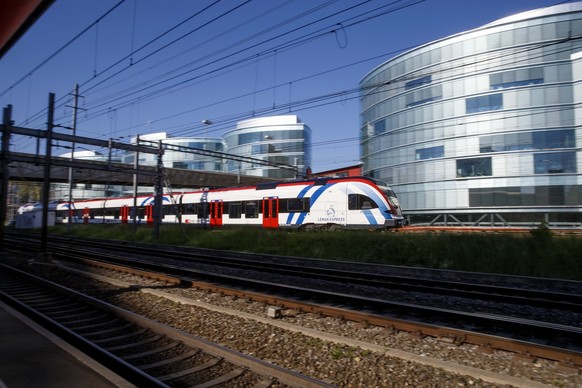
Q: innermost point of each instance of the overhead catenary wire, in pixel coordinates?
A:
(316, 101)
(270, 51)
(527, 49)
(58, 51)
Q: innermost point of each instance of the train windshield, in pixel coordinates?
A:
(391, 195)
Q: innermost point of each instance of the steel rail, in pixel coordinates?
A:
(134, 374)
(405, 312)
(570, 360)
(531, 297)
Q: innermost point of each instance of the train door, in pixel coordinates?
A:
(86, 215)
(216, 210)
(124, 214)
(271, 212)
(149, 210)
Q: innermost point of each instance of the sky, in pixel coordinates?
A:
(146, 66)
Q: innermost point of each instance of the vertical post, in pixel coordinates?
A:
(159, 193)
(47, 174)
(74, 127)
(4, 160)
(135, 184)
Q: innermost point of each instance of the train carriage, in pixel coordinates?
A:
(352, 202)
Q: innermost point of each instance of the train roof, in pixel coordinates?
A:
(317, 181)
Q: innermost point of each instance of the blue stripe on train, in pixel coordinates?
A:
(314, 198)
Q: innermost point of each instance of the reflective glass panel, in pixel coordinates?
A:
(474, 167)
(484, 103)
(555, 163)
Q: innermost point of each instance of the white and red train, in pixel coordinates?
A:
(350, 202)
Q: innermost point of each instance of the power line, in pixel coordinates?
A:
(44, 62)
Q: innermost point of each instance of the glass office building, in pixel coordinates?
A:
(187, 153)
(279, 145)
(482, 127)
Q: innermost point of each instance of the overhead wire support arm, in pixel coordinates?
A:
(224, 155)
(85, 140)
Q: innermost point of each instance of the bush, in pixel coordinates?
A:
(540, 254)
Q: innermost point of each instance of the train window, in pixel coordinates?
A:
(140, 213)
(251, 209)
(294, 205)
(299, 204)
(203, 210)
(169, 210)
(189, 208)
(234, 209)
(359, 201)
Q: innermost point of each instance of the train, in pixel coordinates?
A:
(318, 203)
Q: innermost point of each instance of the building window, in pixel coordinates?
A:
(525, 196)
(418, 82)
(527, 140)
(513, 78)
(379, 127)
(474, 167)
(423, 96)
(554, 139)
(430, 153)
(484, 103)
(555, 163)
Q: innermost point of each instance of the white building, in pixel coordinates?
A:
(278, 140)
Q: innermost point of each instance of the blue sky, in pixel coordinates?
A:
(152, 66)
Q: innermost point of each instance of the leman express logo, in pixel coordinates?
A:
(331, 217)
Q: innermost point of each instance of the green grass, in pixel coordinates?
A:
(539, 253)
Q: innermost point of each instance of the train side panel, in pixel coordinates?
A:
(354, 202)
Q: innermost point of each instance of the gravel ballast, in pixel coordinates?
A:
(346, 354)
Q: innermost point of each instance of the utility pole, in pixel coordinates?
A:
(4, 160)
(135, 183)
(74, 129)
(47, 174)
(159, 193)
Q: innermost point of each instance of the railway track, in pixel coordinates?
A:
(523, 336)
(145, 352)
(451, 283)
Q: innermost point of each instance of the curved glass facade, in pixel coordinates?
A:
(482, 127)
(275, 140)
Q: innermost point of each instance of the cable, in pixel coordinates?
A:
(358, 89)
(62, 47)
